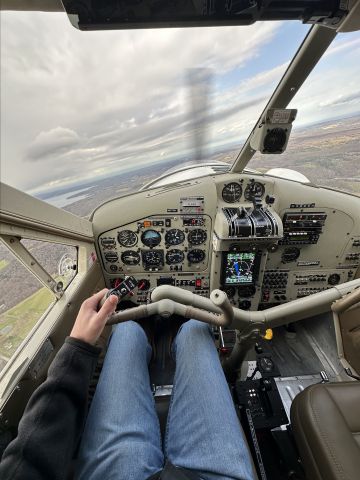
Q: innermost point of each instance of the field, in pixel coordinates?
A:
(3, 264)
(16, 323)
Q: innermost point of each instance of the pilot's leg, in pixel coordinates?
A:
(203, 431)
(122, 435)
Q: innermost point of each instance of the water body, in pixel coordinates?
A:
(69, 197)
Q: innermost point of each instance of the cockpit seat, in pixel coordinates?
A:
(326, 425)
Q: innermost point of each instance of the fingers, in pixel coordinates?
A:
(108, 308)
(93, 301)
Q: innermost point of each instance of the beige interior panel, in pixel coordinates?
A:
(332, 258)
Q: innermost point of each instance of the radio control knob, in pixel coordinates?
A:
(334, 279)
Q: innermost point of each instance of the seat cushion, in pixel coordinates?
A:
(326, 424)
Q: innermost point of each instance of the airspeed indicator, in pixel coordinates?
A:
(127, 238)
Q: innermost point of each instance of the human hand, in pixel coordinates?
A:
(90, 323)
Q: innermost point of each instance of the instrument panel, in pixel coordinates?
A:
(158, 243)
(251, 235)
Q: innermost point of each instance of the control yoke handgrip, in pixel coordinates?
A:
(166, 308)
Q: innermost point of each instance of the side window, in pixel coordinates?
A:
(57, 259)
(23, 298)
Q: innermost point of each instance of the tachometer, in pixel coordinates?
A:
(197, 236)
(254, 189)
(127, 238)
(196, 256)
(232, 192)
(151, 238)
(130, 257)
(174, 237)
(174, 256)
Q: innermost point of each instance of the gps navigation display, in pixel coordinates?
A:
(239, 268)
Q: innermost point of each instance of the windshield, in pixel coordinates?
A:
(324, 144)
(87, 116)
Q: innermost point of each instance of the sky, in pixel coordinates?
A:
(82, 105)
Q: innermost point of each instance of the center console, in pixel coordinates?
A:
(243, 236)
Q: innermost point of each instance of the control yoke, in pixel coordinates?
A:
(217, 310)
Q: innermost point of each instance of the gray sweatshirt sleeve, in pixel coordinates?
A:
(53, 420)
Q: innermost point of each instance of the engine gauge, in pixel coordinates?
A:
(197, 236)
(127, 238)
(151, 238)
(232, 192)
(196, 256)
(153, 258)
(254, 189)
(174, 256)
(130, 257)
(174, 237)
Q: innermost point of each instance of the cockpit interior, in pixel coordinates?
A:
(270, 260)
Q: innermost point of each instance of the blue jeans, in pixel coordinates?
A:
(122, 437)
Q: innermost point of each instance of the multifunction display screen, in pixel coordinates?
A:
(239, 268)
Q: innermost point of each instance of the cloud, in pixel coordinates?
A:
(85, 102)
(342, 100)
(53, 142)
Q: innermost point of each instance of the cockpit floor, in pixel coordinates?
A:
(293, 354)
(305, 349)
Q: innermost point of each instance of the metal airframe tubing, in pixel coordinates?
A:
(309, 53)
(30, 262)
